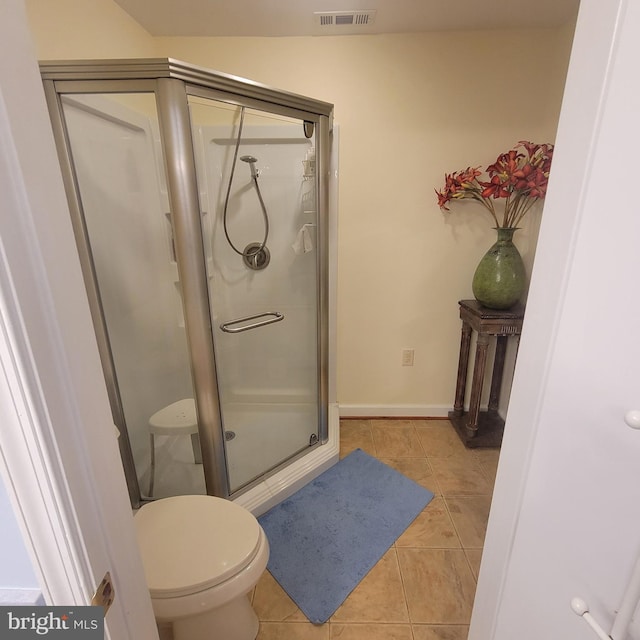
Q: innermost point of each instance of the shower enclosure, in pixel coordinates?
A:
(201, 206)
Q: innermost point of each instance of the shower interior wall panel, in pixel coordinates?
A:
(287, 285)
(267, 376)
(116, 155)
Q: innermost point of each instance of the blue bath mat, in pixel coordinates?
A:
(327, 536)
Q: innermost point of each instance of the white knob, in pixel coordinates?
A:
(632, 418)
(579, 606)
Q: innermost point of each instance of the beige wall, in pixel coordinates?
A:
(409, 108)
(79, 29)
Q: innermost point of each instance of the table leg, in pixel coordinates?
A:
(152, 465)
(476, 384)
(463, 364)
(498, 369)
(195, 445)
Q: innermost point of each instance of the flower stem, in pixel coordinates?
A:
(488, 205)
(527, 204)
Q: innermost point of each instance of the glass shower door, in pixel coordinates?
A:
(257, 184)
(114, 142)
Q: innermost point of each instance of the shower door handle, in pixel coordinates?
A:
(271, 317)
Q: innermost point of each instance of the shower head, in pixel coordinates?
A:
(252, 164)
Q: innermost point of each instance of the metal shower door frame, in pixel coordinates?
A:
(171, 82)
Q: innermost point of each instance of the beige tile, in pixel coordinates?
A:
(392, 422)
(438, 576)
(292, 631)
(396, 439)
(439, 440)
(430, 422)
(440, 632)
(470, 515)
(474, 556)
(272, 603)
(356, 434)
(432, 528)
(378, 598)
(488, 460)
(439, 585)
(417, 469)
(460, 475)
(370, 632)
(489, 455)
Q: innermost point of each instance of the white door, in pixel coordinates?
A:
(564, 519)
(59, 453)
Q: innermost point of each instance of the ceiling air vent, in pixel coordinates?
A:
(349, 18)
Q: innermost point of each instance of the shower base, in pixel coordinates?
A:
(262, 433)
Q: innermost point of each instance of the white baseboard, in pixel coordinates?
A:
(393, 411)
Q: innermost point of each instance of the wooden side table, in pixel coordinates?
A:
(482, 428)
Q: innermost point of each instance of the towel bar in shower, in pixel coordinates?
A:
(273, 316)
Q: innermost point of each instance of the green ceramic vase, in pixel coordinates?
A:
(499, 280)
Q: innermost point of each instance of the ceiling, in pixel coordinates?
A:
(296, 17)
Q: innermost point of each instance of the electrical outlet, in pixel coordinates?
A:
(407, 357)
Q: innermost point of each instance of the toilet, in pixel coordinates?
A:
(202, 555)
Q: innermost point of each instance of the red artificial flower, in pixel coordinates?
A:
(520, 176)
(456, 185)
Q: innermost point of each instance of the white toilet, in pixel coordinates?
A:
(202, 556)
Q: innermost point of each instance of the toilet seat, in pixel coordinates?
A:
(193, 543)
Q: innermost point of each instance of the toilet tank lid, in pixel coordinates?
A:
(191, 543)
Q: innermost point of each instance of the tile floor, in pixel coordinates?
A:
(423, 587)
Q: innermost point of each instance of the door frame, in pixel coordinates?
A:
(64, 480)
(587, 89)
